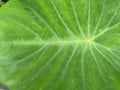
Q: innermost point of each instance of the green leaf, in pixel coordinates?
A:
(60, 45)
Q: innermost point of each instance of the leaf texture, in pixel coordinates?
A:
(60, 44)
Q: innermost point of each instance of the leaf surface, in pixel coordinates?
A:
(60, 44)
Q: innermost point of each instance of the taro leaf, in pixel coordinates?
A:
(60, 44)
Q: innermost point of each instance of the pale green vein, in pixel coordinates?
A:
(41, 54)
(61, 19)
(77, 21)
(99, 67)
(69, 61)
(102, 54)
(82, 68)
(39, 43)
(42, 19)
(25, 27)
(100, 18)
(48, 62)
(107, 28)
(108, 49)
(89, 16)
(30, 55)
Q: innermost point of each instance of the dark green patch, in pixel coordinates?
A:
(2, 2)
(3, 87)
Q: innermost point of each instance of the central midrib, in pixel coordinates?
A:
(50, 42)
